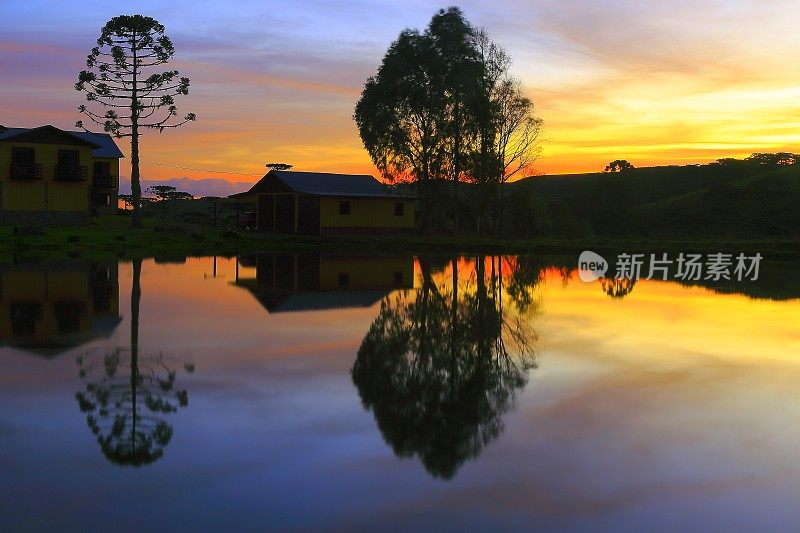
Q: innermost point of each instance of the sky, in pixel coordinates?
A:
(653, 82)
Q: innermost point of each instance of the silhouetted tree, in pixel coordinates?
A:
(508, 141)
(453, 40)
(443, 107)
(780, 159)
(125, 81)
(169, 195)
(168, 192)
(619, 165)
(399, 116)
(437, 373)
(124, 406)
(279, 166)
(617, 287)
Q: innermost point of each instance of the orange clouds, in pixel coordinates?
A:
(651, 82)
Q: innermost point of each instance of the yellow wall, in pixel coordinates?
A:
(367, 274)
(48, 193)
(366, 212)
(46, 289)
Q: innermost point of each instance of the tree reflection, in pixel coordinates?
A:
(617, 287)
(441, 368)
(125, 405)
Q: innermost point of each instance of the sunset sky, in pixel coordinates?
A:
(649, 81)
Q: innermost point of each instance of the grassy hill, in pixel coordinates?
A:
(733, 200)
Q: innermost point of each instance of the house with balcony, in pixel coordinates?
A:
(54, 176)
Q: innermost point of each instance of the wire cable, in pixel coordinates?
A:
(197, 169)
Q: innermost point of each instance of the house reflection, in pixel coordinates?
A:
(286, 282)
(51, 309)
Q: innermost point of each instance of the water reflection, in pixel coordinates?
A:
(439, 368)
(48, 309)
(349, 415)
(617, 287)
(125, 402)
(314, 282)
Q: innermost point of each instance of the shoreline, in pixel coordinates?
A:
(112, 237)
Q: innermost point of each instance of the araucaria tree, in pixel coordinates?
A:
(443, 107)
(127, 89)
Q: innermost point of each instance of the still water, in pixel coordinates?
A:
(285, 391)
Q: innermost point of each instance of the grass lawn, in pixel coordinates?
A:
(112, 236)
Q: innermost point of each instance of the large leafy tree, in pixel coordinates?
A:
(508, 138)
(399, 116)
(443, 106)
(454, 41)
(127, 89)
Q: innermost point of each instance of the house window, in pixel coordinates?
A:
(23, 319)
(344, 207)
(102, 174)
(23, 163)
(69, 315)
(68, 158)
(399, 209)
(344, 280)
(68, 167)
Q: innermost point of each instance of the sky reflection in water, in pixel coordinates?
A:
(523, 397)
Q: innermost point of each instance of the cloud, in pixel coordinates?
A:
(650, 81)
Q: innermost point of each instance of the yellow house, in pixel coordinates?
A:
(324, 203)
(53, 176)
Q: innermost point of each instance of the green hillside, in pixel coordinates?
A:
(729, 199)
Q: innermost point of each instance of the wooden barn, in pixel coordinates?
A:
(323, 203)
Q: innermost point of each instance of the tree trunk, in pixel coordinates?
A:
(136, 186)
(136, 296)
(500, 211)
(453, 330)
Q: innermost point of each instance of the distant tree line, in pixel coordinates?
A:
(443, 107)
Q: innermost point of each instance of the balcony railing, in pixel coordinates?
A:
(26, 172)
(70, 173)
(105, 181)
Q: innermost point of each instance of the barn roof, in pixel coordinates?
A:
(312, 301)
(327, 184)
(103, 144)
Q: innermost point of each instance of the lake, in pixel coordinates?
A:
(325, 391)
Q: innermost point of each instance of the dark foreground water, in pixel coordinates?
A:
(327, 392)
